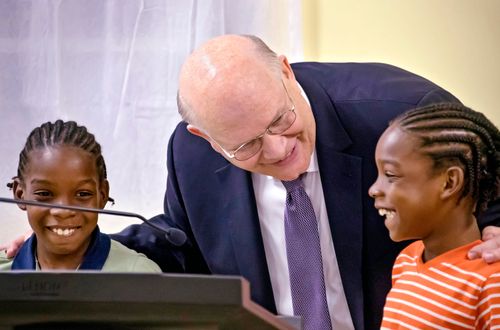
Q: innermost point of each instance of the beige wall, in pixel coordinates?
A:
(454, 43)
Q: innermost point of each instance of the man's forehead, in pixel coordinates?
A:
(234, 96)
(222, 61)
(225, 55)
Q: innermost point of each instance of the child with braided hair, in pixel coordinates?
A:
(62, 163)
(438, 167)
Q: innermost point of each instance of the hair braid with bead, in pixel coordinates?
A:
(454, 134)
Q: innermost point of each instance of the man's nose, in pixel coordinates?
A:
(273, 147)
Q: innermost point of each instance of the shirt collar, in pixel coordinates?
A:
(313, 164)
(94, 258)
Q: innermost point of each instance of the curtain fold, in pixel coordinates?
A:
(113, 67)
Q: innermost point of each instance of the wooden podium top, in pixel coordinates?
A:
(119, 301)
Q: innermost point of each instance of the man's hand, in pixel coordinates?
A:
(14, 246)
(489, 250)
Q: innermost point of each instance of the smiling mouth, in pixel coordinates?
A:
(287, 157)
(388, 214)
(63, 232)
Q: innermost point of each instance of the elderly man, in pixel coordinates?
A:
(276, 188)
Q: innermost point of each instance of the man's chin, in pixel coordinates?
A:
(283, 172)
(289, 177)
(283, 175)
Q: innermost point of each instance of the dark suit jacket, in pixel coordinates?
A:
(213, 201)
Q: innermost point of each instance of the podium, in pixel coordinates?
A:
(129, 301)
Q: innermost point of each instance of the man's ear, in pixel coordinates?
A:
(104, 193)
(286, 68)
(198, 132)
(18, 192)
(453, 182)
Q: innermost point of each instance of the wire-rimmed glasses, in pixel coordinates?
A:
(278, 126)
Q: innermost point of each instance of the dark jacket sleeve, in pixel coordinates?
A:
(490, 217)
(153, 244)
(437, 95)
(175, 211)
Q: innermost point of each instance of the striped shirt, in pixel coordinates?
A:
(447, 292)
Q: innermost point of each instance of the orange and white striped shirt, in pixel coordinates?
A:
(447, 292)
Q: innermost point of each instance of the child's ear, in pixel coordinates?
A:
(104, 193)
(18, 192)
(454, 182)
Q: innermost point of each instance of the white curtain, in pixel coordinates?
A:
(112, 65)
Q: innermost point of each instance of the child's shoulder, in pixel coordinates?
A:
(457, 260)
(123, 259)
(119, 250)
(5, 263)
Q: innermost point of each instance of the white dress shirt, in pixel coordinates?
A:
(270, 195)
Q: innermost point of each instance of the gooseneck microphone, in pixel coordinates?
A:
(175, 236)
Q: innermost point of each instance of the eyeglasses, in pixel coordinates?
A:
(278, 126)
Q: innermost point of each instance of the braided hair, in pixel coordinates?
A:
(67, 133)
(452, 134)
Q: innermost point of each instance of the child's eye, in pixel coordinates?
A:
(390, 176)
(42, 194)
(83, 194)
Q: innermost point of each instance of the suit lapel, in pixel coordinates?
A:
(341, 177)
(240, 212)
(341, 180)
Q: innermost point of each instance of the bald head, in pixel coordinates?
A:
(234, 91)
(222, 75)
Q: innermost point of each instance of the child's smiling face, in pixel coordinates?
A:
(62, 175)
(407, 190)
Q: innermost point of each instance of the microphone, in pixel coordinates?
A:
(175, 236)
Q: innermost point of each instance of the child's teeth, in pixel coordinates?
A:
(63, 232)
(387, 213)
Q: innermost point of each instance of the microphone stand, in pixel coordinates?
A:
(175, 236)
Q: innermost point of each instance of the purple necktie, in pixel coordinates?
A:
(304, 258)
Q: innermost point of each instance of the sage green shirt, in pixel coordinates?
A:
(121, 259)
